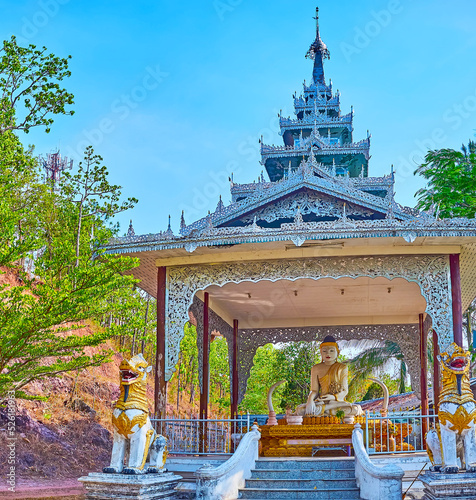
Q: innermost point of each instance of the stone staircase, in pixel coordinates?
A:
(286, 478)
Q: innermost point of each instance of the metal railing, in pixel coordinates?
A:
(399, 432)
(213, 436)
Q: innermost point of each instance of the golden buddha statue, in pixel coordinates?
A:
(329, 385)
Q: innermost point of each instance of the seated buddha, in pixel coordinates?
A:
(329, 385)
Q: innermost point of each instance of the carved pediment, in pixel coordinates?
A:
(312, 206)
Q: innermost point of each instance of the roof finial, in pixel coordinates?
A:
(220, 205)
(169, 233)
(318, 52)
(130, 231)
(182, 221)
(317, 22)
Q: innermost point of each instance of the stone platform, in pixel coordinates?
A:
(100, 486)
(437, 486)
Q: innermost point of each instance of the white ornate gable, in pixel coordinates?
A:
(312, 205)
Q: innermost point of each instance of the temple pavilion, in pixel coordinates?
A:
(319, 248)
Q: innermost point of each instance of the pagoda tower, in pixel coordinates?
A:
(319, 125)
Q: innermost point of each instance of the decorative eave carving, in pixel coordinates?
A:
(342, 228)
(354, 148)
(322, 121)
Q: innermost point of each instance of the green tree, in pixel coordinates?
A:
(72, 285)
(91, 191)
(374, 391)
(219, 375)
(132, 320)
(451, 182)
(20, 191)
(40, 319)
(30, 95)
(263, 375)
(366, 363)
(30, 91)
(293, 364)
(183, 386)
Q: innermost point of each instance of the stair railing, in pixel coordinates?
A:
(374, 482)
(224, 481)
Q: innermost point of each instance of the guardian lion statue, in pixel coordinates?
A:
(134, 435)
(455, 435)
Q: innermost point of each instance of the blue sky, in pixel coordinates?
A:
(175, 95)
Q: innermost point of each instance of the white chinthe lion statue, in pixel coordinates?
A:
(455, 436)
(134, 436)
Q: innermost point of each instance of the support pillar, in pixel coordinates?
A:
(160, 390)
(234, 383)
(205, 375)
(436, 373)
(456, 299)
(234, 372)
(423, 375)
(205, 360)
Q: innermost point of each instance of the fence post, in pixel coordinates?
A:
(367, 431)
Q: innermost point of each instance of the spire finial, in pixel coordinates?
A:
(220, 205)
(318, 52)
(182, 221)
(317, 22)
(130, 231)
(169, 233)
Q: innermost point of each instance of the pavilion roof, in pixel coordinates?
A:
(221, 228)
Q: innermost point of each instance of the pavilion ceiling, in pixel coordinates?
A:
(325, 302)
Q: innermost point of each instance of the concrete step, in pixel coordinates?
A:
(302, 478)
(303, 473)
(295, 484)
(302, 493)
(316, 463)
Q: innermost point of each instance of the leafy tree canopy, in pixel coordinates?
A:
(451, 186)
(30, 90)
(52, 237)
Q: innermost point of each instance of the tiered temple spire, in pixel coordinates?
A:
(319, 124)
